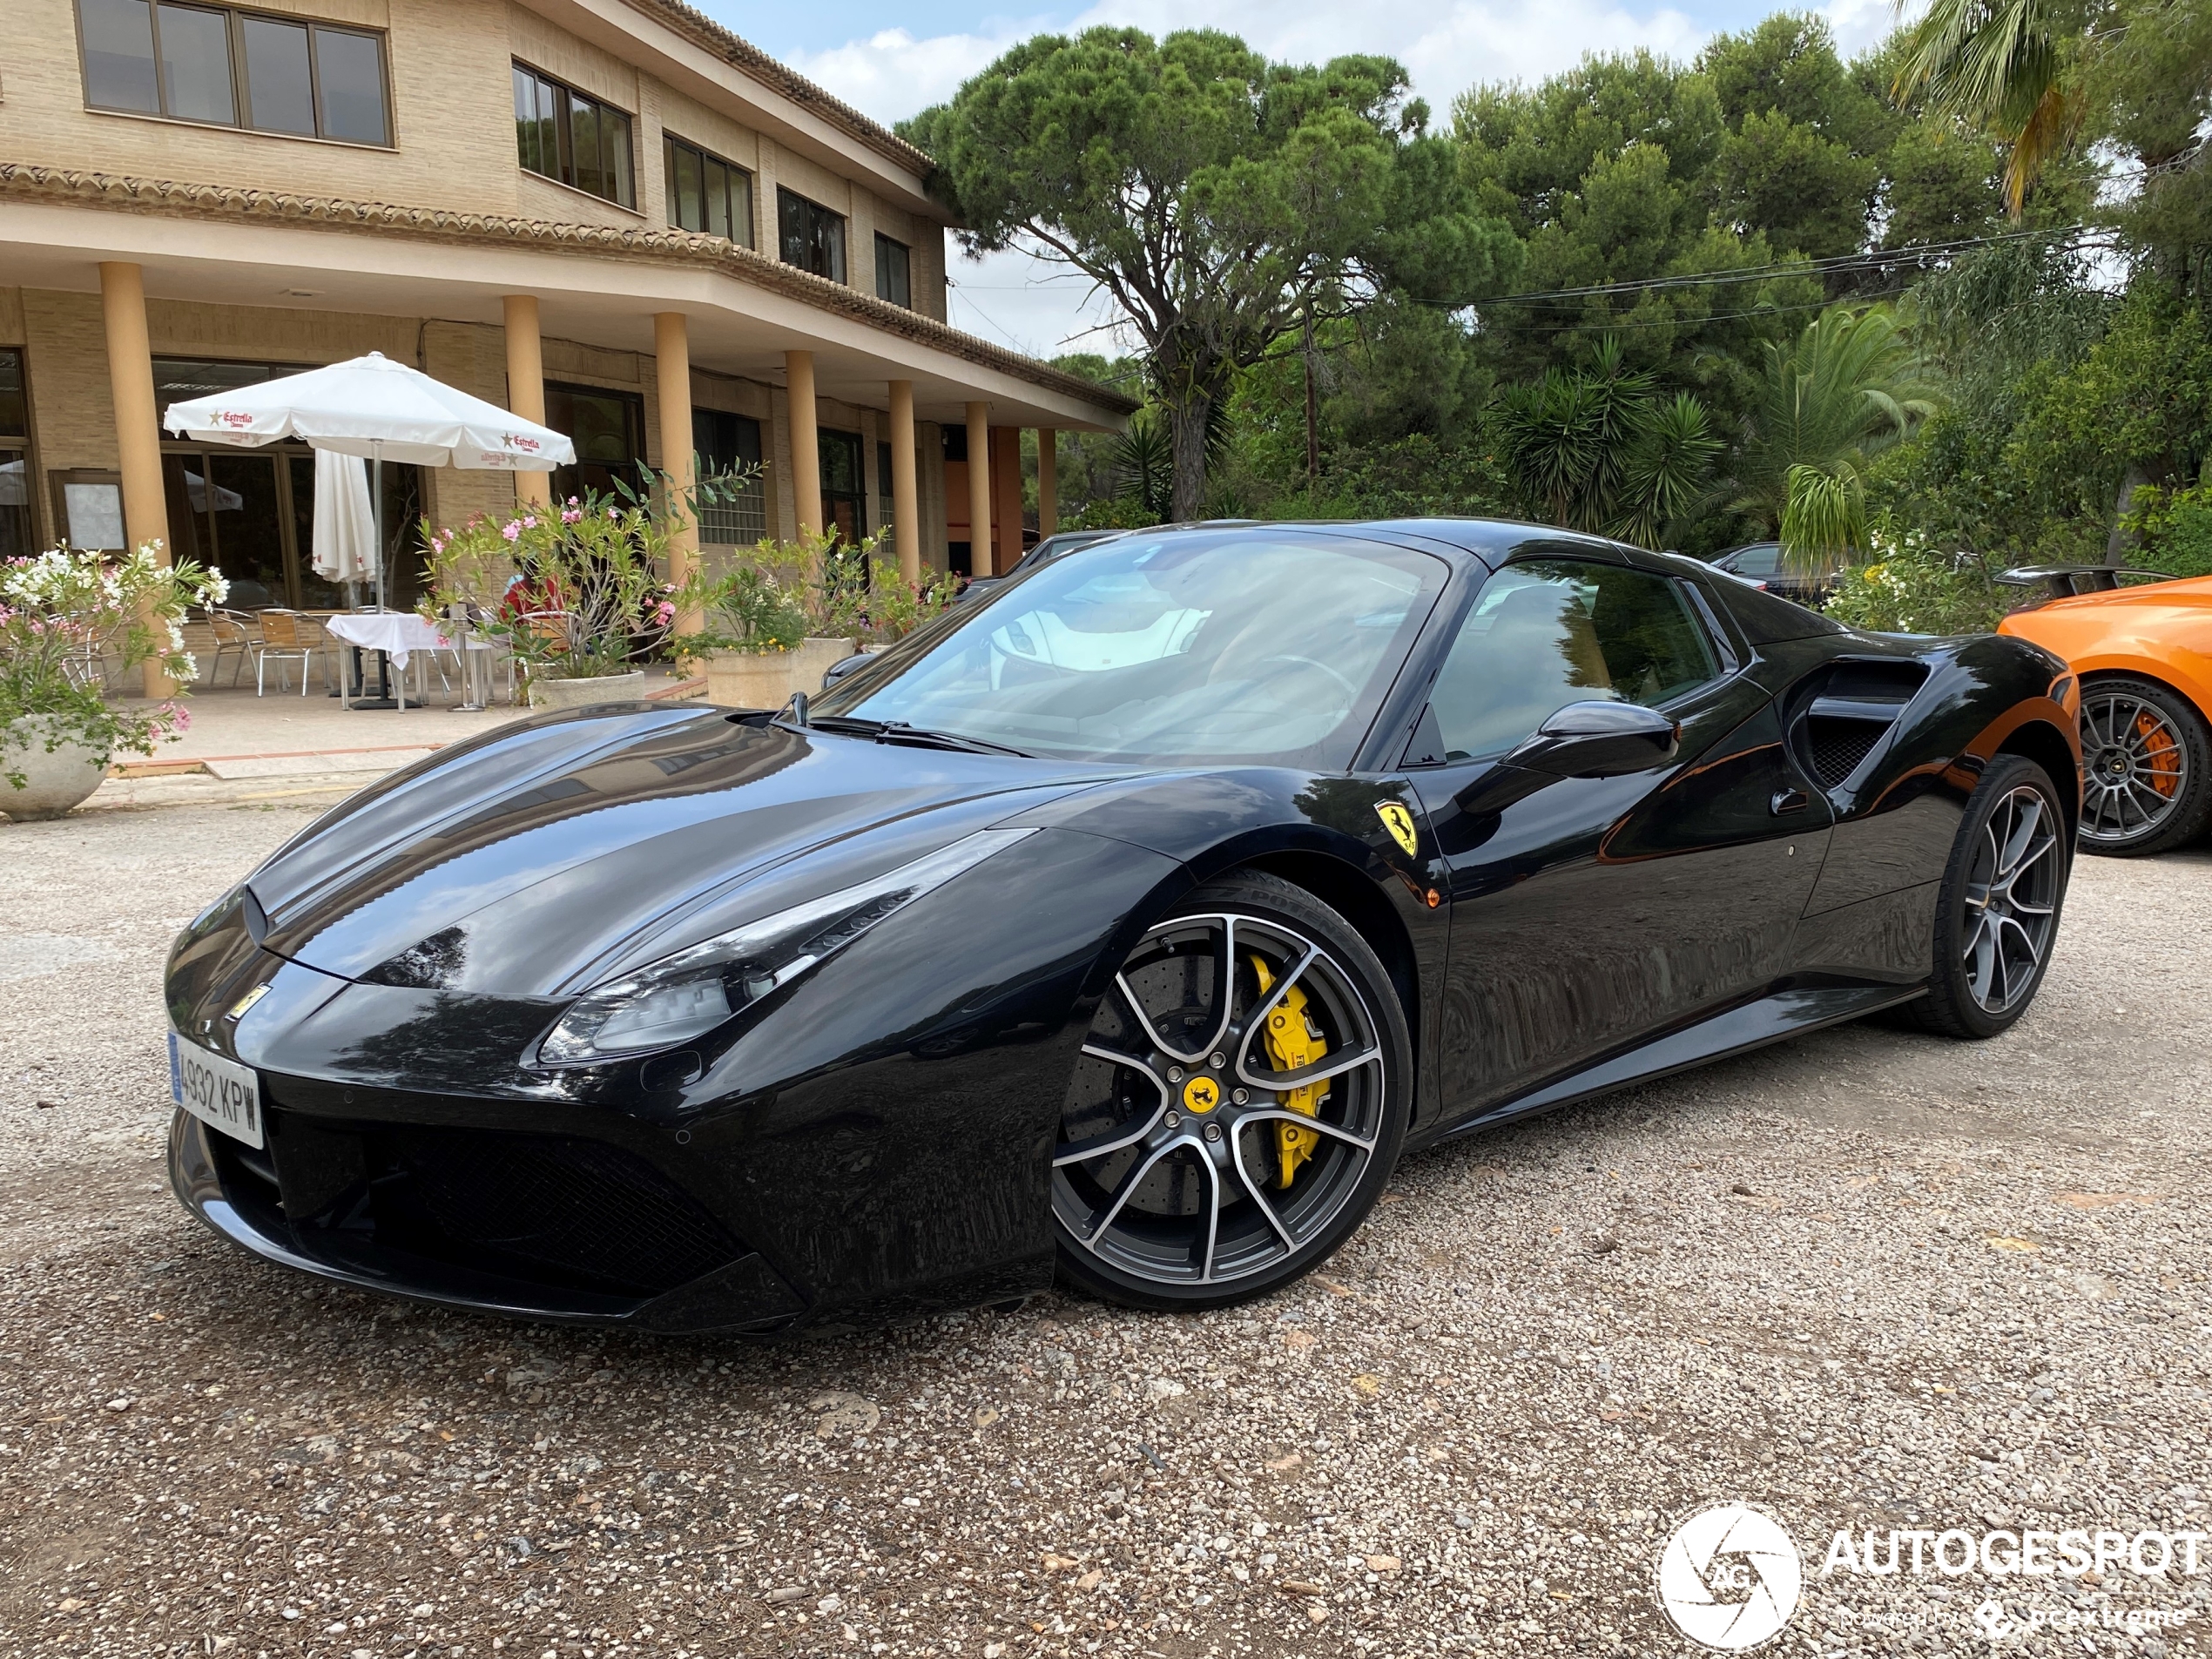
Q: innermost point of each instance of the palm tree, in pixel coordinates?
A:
(2000, 65)
(1846, 388)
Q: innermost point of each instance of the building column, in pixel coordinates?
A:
(979, 490)
(1048, 482)
(1006, 485)
(679, 458)
(526, 386)
(805, 442)
(138, 423)
(905, 499)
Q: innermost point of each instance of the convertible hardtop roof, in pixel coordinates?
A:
(1491, 540)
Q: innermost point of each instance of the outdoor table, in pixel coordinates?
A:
(395, 635)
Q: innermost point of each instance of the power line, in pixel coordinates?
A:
(1612, 325)
(1833, 265)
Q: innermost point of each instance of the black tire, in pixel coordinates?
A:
(1199, 1190)
(2146, 768)
(1997, 913)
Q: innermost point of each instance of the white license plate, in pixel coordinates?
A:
(220, 1093)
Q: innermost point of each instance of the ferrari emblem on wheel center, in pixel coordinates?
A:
(1201, 1094)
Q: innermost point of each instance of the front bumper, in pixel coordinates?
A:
(566, 1231)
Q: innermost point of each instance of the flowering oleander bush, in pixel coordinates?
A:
(67, 619)
(575, 589)
(1906, 585)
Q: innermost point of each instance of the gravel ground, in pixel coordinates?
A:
(1867, 1280)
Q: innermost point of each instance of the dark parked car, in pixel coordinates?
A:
(1043, 553)
(1129, 925)
(1762, 562)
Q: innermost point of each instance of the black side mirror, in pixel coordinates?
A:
(1598, 739)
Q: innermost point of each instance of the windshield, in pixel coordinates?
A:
(1168, 649)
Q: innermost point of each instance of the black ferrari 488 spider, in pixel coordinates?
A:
(1129, 924)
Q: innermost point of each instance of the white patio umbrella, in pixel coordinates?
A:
(378, 409)
(345, 540)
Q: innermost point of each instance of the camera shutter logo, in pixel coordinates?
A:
(1729, 1576)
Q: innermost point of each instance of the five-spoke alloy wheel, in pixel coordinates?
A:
(1238, 1104)
(2146, 772)
(1998, 908)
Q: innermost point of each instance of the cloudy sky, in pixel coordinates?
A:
(892, 60)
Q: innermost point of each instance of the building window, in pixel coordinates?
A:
(708, 194)
(883, 491)
(235, 69)
(813, 237)
(15, 460)
(609, 431)
(563, 134)
(892, 282)
(726, 442)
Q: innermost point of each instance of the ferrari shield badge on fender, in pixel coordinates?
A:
(1399, 823)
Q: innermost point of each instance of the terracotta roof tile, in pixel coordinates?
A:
(169, 198)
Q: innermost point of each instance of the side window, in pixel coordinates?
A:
(1553, 631)
(1761, 558)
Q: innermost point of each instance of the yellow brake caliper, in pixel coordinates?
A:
(1292, 1043)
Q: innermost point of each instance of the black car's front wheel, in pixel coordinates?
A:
(1998, 912)
(1239, 1103)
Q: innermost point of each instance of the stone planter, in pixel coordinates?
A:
(577, 694)
(766, 679)
(53, 784)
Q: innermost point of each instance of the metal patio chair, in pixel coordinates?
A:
(235, 635)
(288, 637)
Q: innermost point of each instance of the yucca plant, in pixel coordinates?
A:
(1599, 449)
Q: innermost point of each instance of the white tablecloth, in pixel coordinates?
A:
(398, 634)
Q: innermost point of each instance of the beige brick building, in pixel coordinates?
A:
(610, 214)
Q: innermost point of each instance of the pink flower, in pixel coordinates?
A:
(569, 514)
(530, 522)
(665, 613)
(513, 532)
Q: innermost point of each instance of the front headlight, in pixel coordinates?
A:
(688, 994)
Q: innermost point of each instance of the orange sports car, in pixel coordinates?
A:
(2144, 654)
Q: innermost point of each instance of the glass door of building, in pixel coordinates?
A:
(843, 487)
(251, 514)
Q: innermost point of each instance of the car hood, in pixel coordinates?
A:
(543, 855)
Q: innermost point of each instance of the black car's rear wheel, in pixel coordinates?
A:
(1240, 1101)
(1998, 912)
(2146, 768)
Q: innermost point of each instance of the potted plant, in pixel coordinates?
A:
(68, 618)
(896, 607)
(774, 622)
(582, 601)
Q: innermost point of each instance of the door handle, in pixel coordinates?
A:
(1789, 801)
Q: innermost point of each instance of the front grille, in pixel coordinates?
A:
(1838, 745)
(580, 1209)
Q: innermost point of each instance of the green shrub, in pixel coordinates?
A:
(1910, 587)
(2176, 531)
